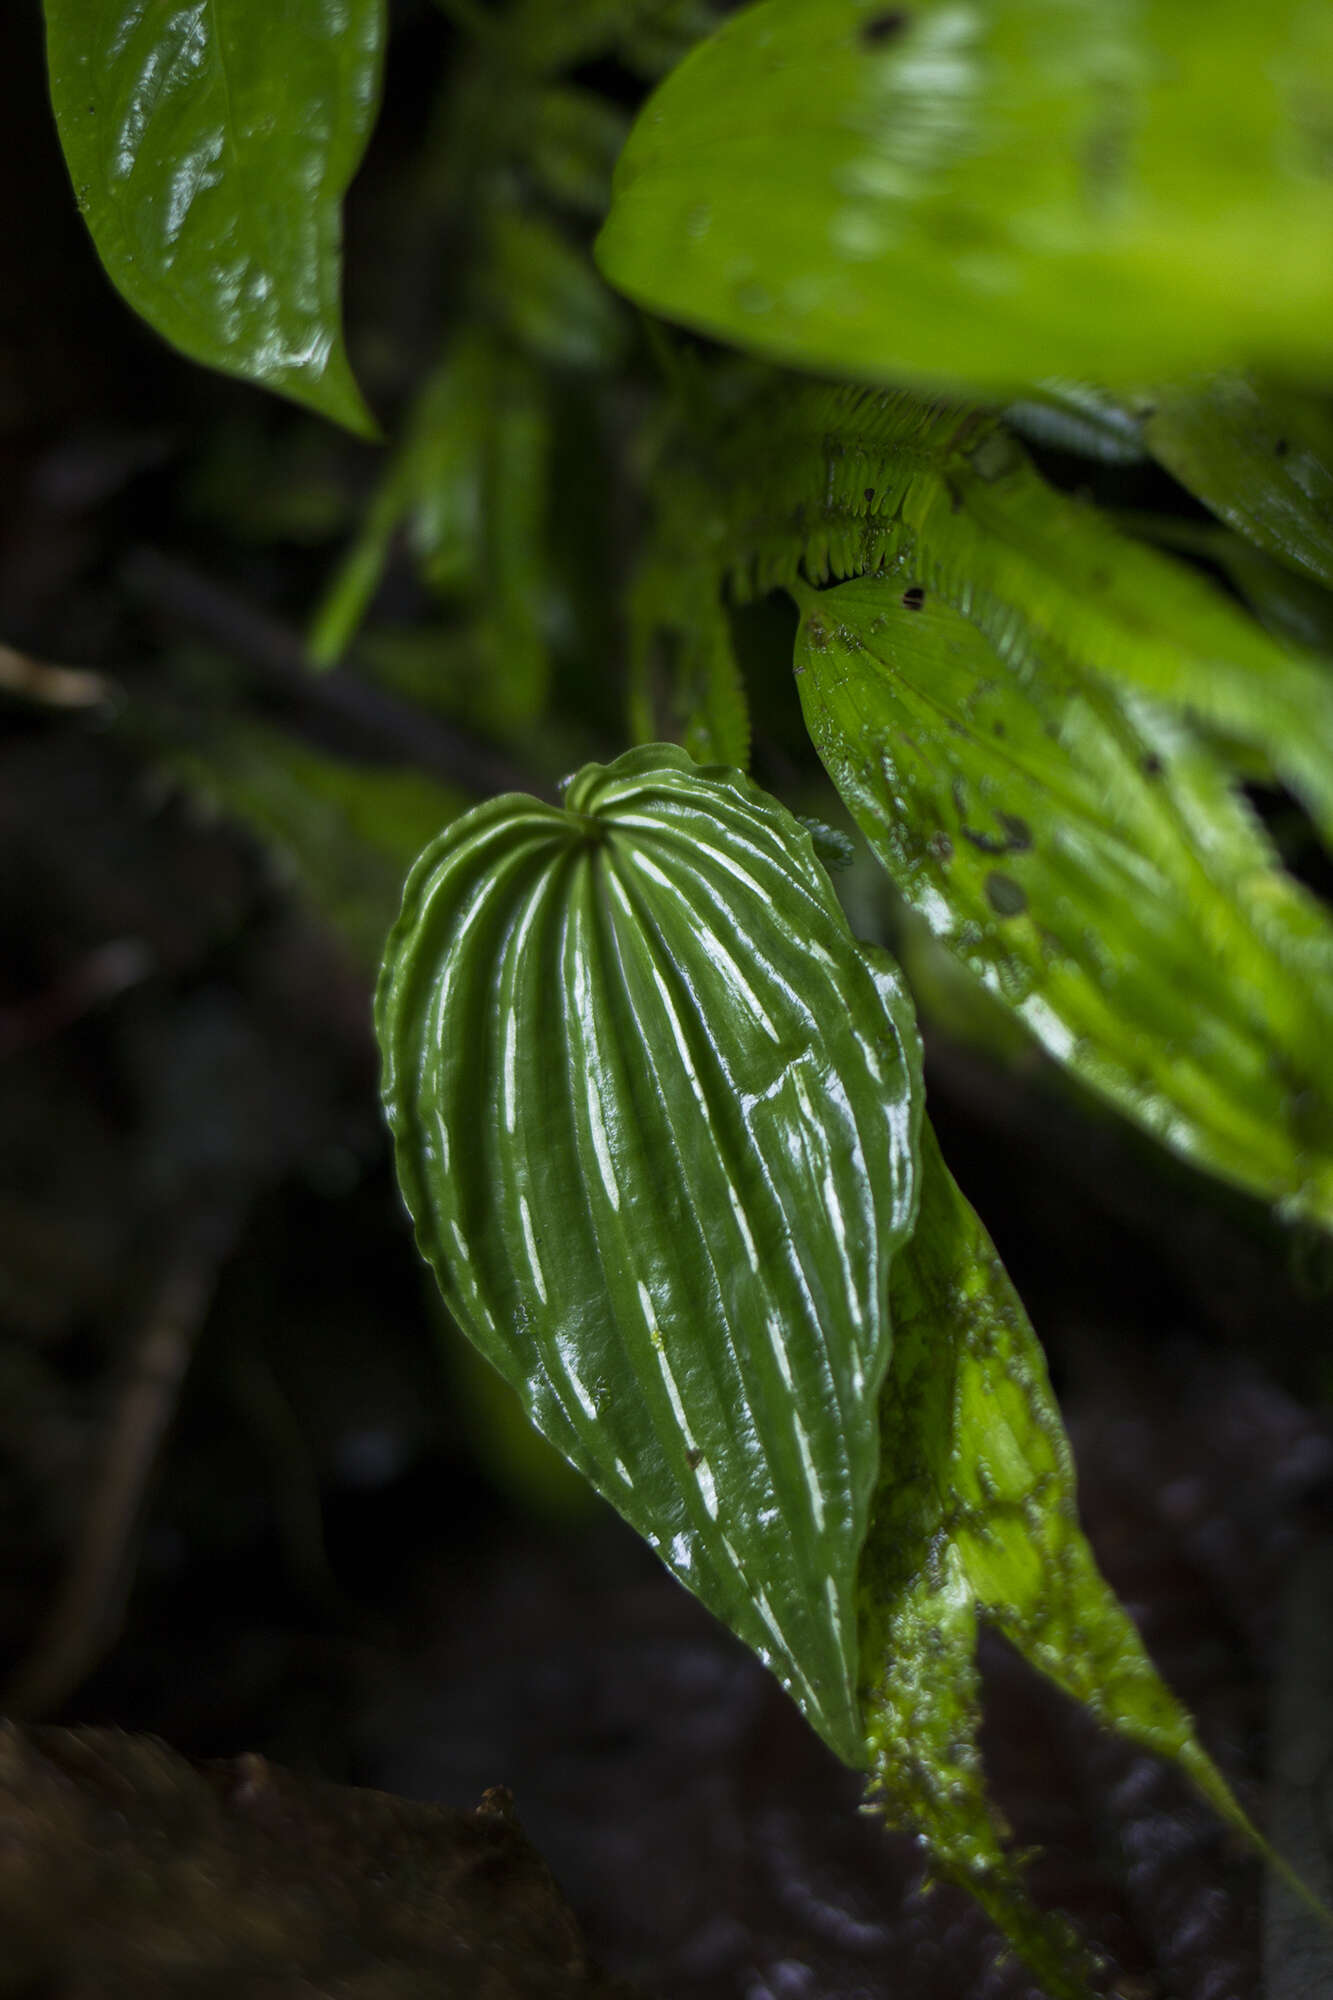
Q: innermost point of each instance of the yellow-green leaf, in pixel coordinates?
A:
(990, 194)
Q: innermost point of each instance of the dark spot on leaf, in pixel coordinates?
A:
(870, 496)
(941, 846)
(1152, 766)
(998, 729)
(818, 637)
(1015, 837)
(885, 27)
(693, 1457)
(914, 598)
(1004, 895)
(1282, 447)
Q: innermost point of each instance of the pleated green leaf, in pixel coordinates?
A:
(1261, 457)
(210, 145)
(992, 194)
(1083, 853)
(975, 1521)
(655, 1114)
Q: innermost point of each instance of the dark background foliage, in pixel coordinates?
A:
(253, 1495)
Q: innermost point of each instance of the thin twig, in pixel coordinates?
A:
(185, 598)
(85, 1618)
(52, 686)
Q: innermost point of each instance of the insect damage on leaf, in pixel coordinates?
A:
(1085, 855)
(655, 1115)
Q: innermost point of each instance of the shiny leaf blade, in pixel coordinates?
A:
(1260, 457)
(210, 145)
(631, 1049)
(975, 1519)
(1084, 855)
(992, 195)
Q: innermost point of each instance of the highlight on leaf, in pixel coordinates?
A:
(210, 149)
(1085, 855)
(989, 196)
(630, 1049)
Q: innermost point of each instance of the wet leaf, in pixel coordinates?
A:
(1260, 457)
(975, 1519)
(1083, 853)
(992, 195)
(631, 1049)
(210, 146)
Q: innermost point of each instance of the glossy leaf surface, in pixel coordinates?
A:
(655, 1115)
(1260, 457)
(1085, 856)
(992, 194)
(975, 1520)
(210, 145)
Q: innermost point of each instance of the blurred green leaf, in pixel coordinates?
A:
(1084, 854)
(1075, 417)
(991, 195)
(546, 293)
(573, 143)
(1289, 606)
(685, 681)
(975, 1519)
(630, 1049)
(347, 831)
(210, 146)
(1260, 456)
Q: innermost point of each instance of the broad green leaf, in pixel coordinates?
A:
(975, 1520)
(1261, 457)
(655, 1119)
(210, 144)
(817, 482)
(992, 194)
(1288, 605)
(1082, 852)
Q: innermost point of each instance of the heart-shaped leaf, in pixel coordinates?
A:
(656, 1114)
